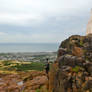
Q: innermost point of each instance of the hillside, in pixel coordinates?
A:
(18, 76)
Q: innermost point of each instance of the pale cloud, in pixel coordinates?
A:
(2, 33)
(20, 11)
(19, 19)
(42, 20)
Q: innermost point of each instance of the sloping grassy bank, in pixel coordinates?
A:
(15, 66)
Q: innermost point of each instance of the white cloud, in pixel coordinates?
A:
(19, 19)
(52, 16)
(2, 33)
(21, 11)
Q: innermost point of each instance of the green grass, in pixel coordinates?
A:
(6, 63)
(32, 66)
(38, 90)
(22, 66)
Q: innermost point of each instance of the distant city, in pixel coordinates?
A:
(32, 57)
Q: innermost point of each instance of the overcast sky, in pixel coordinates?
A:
(42, 21)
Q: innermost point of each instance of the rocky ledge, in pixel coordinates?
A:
(74, 65)
(30, 81)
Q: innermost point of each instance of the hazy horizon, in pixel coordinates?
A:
(28, 47)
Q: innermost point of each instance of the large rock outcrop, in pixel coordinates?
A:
(74, 73)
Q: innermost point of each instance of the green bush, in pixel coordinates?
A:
(81, 43)
(76, 69)
(6, 63)
(38, 90)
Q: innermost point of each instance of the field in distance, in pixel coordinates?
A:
(15, 66)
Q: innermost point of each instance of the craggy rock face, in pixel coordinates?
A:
(79, 46)
(61, 52)
(69, 60)
(74, 72)
(88, 47)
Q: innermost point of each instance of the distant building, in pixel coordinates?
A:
(89, 26)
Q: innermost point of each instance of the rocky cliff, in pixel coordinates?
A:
(74, 65)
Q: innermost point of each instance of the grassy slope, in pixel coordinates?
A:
(11, 66)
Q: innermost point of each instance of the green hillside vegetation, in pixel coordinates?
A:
(21, 66)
